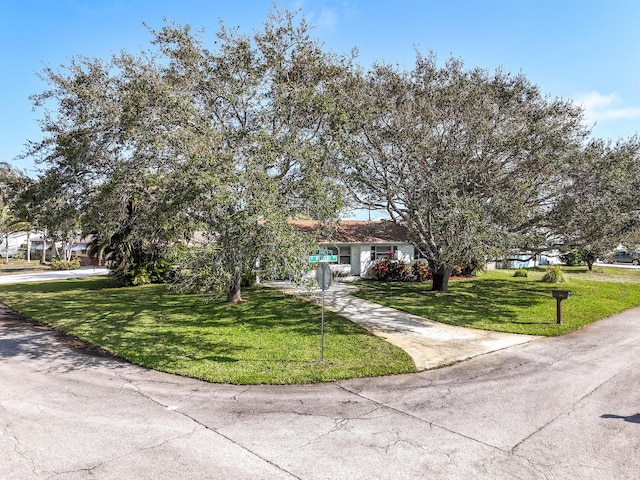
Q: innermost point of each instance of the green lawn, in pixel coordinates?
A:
(22, 266)
(269, 338)
(496, 300)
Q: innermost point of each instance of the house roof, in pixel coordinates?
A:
(355, 231)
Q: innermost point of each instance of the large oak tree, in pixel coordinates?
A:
(470, 161)
(226, 139)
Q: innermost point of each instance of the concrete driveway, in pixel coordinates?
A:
(557, 408)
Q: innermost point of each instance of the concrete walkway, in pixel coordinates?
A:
(430, 344)
(53, 275)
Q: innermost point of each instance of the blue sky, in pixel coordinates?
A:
(587, 51)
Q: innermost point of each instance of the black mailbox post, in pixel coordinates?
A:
(560, 295)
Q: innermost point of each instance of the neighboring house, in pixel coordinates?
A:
(13, 243)
(528, 260)
(359, 243)
(77, 247)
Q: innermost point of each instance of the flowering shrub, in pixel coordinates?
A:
(391, 270)
(420, 272)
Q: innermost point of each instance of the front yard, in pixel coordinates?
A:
(498, 301)
(270, 338)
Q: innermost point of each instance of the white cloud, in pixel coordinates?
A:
(602, 108)
(327, 18)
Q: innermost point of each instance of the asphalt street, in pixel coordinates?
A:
(558, 408)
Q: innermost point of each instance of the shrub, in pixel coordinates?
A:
(248, 279)
(420, 272)
(554, 275)
(18, 256)
(154, 271)
(57, 264)
(391, 270)
(572, 259)
(471, 268)
(521, 272)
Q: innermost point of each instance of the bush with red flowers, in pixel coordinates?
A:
(391, 270)
(420, 272)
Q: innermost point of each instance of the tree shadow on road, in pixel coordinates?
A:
(631, 418)
(22, 337)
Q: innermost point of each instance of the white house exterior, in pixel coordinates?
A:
(528, 260)
(21, 242)
(358, 243)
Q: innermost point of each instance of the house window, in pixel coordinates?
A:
(418, 255)
(380, 252)
(343, 253)
(344, 257)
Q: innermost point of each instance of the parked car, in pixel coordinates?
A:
(625, 257)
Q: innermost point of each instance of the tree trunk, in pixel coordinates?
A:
(43, 258)
(28, 247)
(441, 279)
(235, 290)
(7, 247)
(590, 265)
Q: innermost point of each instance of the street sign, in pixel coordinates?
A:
(323, 258)
(323, 276)
(324, 252)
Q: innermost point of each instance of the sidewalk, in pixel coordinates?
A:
(430, 344)
(53, 275)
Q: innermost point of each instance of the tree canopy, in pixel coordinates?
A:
(183, 138)
(232, 136)
(471, 162)
(600, 202)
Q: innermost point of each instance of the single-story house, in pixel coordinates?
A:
(359, 243)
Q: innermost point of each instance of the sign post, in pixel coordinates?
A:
(323, 276)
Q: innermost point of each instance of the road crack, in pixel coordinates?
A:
(206, 427)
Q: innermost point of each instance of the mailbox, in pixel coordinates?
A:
(561, 294)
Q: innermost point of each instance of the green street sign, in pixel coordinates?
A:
(323, 258)
(323, 252)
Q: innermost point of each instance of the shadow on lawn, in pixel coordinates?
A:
(148, 324)
(465, 302)
(296, 314)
